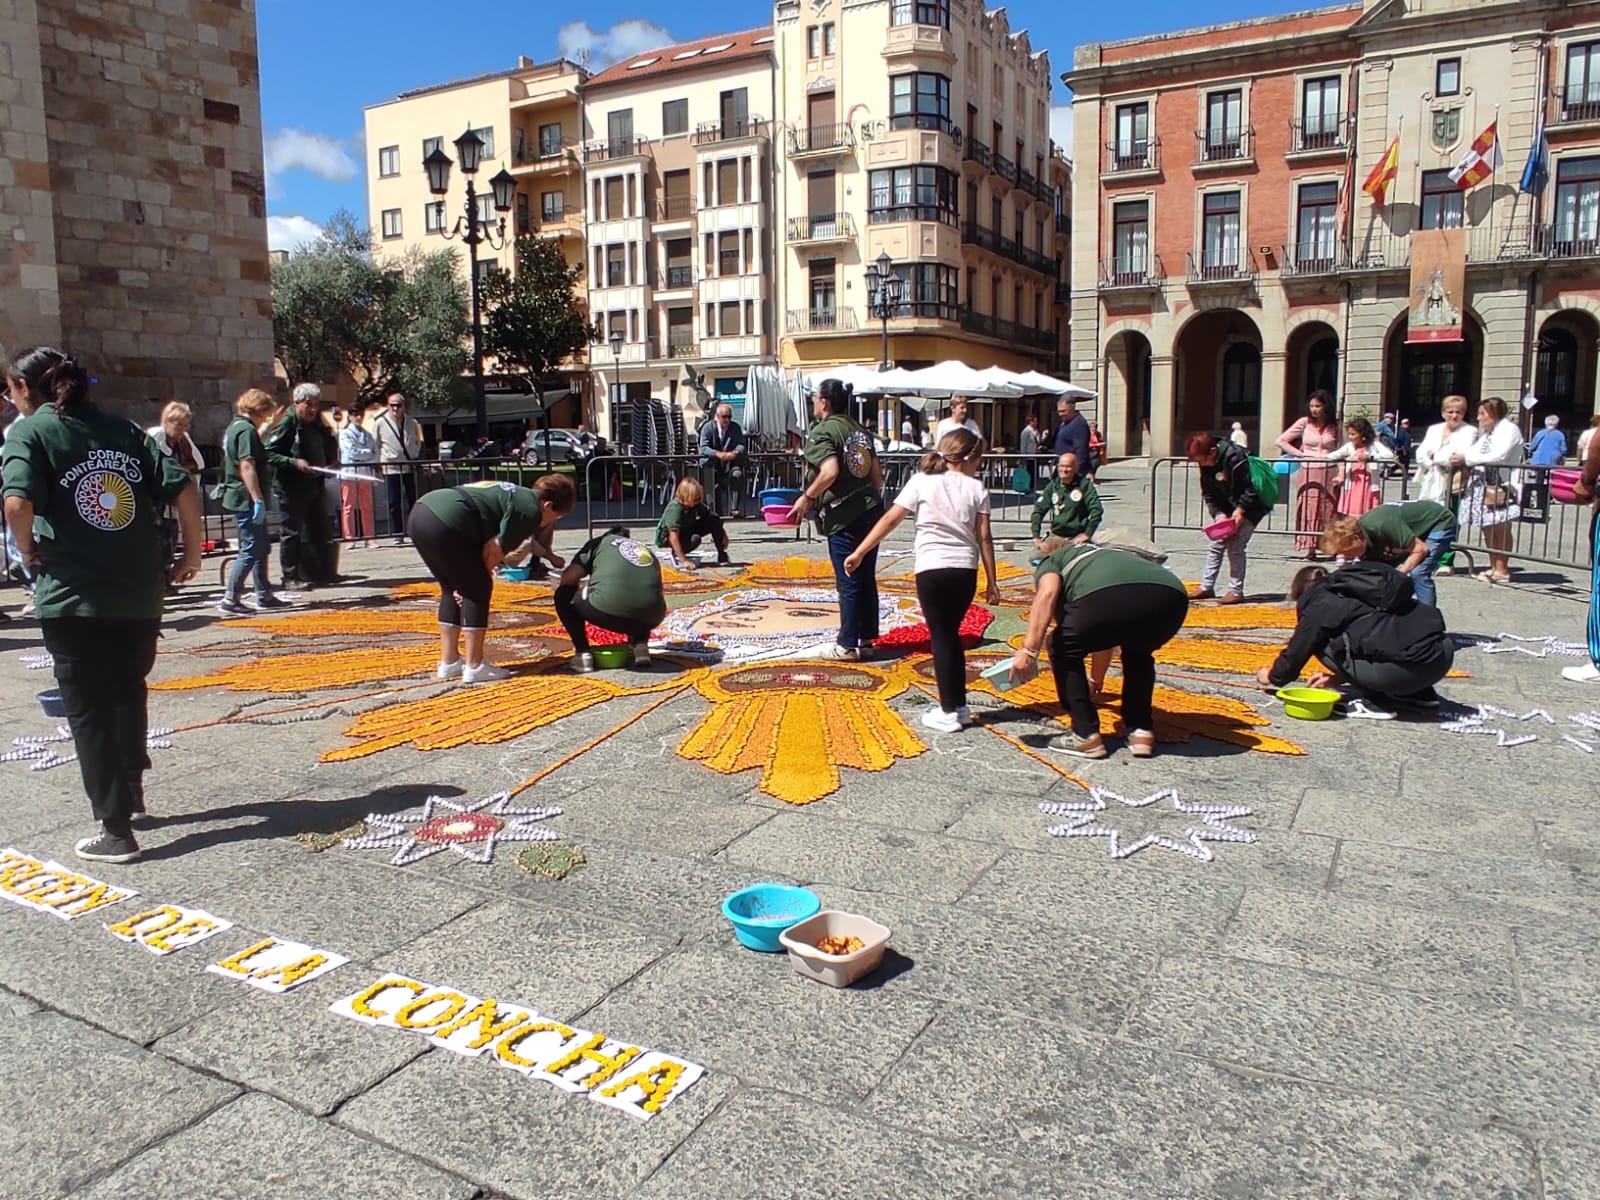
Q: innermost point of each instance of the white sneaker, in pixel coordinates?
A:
(845, 652)
(1357, 709)
(1588, 673)
(944, 722)
(450, 670)
(484, 672)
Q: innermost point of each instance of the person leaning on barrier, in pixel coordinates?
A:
(722, 448)
(399, 448)
(1071, 505)
(1491, 501)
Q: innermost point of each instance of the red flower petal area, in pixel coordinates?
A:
(916, 637)
(605, 637)
(460, 827)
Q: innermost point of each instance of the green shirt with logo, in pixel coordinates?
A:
(97, 485)
(1071, 509)
(624, 578)
(1391, 528)
(852, 492)
(240, 441)
(291, 440)
(490, 509)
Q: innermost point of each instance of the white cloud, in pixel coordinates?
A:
(1061, 126)
(292, 232)
(297, 150)
(606, 46)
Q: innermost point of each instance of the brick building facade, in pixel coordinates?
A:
(132, 197)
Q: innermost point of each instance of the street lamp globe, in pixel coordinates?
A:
(504, 186)
(437, 165)
(885, 265)
(469, 151)
(616, 343)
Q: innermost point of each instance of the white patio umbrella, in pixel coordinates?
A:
(1037, 383)
(953, 378)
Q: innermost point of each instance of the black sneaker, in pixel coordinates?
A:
(271, 601)
(724, 561)
(233, 608)
(109, 846)
(1426, 698)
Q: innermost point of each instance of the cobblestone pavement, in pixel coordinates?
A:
(1391, 993)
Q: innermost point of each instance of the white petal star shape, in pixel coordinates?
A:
(1085, 821)
(471, 830)
(36, 748)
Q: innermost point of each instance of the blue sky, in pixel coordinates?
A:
(323, 61)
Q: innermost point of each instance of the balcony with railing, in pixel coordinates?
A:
(820, 320)
(1138, 273)
(682, 345)
(822, 228)
(973, 150)
(1224, 146)
(1312, 137)
(1222, 270)
(1132, 159)
(675, 208)
(1317, 258)
(1569, 241)
(608, 151)
(616, 274)
(1501, 242)
(531, 157)
(1376, 252)
(1007, 248)
(1575, 105)
(821, 141)
(678, 278)
(1027, 181)
(1005, 168)
(985, 325)
(711, 132)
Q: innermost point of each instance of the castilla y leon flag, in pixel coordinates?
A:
(1385, 173)
(1480, 160)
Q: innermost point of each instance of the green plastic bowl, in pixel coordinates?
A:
(1308, 703)
(611, 657)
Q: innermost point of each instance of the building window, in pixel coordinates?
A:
(677, 202)
(486, 214)
(728, 253)
(1241, 381)
(433, 217)
(728, 181)
(728, 318)
(552, 205)
(613, 210)
(388, 161)
(616, 266)
(1447, 77)
(821, 40)
(1224, 125)
(823, 294)
(1441, 201)
(674, 117)
(550, 140)
(487, 135)
(429, 145)
(1577, 210)
(1220, 243)
(1132, 147)
(524, 215)
(1580, 94)
(920, 12)
(487, 267)
(619, 130)
(935, 291)
(391, 222)
(920, 193)
(1316, 232)
(1319, 113)
(919, 101)
(1130, 241)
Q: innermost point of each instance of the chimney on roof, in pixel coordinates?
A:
(523, 62)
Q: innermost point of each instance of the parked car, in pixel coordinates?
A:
(565, 446)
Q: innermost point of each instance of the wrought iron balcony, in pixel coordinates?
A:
(1222, 145)
(822, 227)
(627, 148)
(679, 277)
(1575, 105)
(820, 140)
(978, 152)
(1569, 240)
(675, 208)
(1005, 168)
(1007, 331)
(821, 320)
(708, 132)
(1380, 252)
(1008, 248)
(682, 346)
(1320, 135)
(1318, 257)
(1208, 270)
(1133, 157)
(1138, 274)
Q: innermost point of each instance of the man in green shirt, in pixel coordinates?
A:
(1411, 536)
(1072, 506)
(296, 447)
(624, 595)
(844, 482)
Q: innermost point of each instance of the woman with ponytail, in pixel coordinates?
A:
(97, 485)
(951, 506)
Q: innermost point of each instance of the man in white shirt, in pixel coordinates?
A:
(399, 444)
(957, 419)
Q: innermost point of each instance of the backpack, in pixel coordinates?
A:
(1264, 478)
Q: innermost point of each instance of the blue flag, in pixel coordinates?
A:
(1537, 171)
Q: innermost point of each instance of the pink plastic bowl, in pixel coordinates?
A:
(1219, 531)
(778, 515)
(1561, 481)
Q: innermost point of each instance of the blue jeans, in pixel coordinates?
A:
(254, 544)
(1439, 543)
(858, 593)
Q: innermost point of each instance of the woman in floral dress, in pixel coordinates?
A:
(1312, 437)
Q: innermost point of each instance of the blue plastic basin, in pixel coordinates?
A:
(760, 913)
(773, 497)
(52, 703)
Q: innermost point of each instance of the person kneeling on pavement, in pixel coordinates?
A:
(1364, 624)
(624, 595)
(1412, 537)
(687, 521)
(1072, 506)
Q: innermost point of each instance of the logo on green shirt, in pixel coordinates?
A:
(635, 552)
(105, 500)
(858, 454)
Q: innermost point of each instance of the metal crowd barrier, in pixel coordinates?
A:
(1542, 531)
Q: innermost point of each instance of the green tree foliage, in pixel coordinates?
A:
(392, 324)
(535, 319)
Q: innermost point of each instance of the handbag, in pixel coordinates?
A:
(1495, 493)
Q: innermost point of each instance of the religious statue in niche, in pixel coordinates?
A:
(1434, 309)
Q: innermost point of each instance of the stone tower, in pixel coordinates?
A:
(132, 197)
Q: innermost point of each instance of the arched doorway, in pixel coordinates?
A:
(1312, 363)
(1418, 376)
(1564, 369)
(1218, 373)
(1127, 387)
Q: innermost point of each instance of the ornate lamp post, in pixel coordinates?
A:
(886, 291)
(615, 341)
(473, 228)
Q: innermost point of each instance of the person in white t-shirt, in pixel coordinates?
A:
(951, 506)
(957, 419)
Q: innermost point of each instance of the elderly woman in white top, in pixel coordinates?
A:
(173, 440)
(1490, 498)
(1452, 436)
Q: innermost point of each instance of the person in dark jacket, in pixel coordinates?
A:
(1365, 625)
(1072, 435)
(296, 446)
(1228, 491)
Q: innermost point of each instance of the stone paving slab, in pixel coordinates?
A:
(673, 822)
(1437, 822)
(521, 1138)
(1570, 1172)
(1556, 971)
(1148, 1119)
(81, 1100)
(1478, 884)
(257, 1146)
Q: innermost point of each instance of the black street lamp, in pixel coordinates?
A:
(473, 228)
(600, 338)
(886, 292)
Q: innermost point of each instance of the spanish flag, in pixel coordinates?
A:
(1385, 173)
(1480, 160)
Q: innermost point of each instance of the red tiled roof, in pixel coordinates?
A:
(685, 56)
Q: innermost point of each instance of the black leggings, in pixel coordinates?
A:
(458, 566)
(1140, 618)
(100, 667)
(574, 610)
(945, 594)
